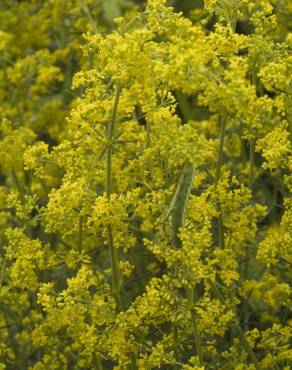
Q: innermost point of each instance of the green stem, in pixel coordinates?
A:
(2, 271)
(133, 365)
(148, 140)
(238, 329)
(18, 186)
(217, 176)
(22, 193)
(139, 272)
(240, 333)
(114, 253)
(68, 79)
(99, 365)
(221, 146)
(80, 234)
(251, 162)
(234, 20)
(116, 278)
(110, 139)
(196, 335)
(88, 14)
(221, 228)
(246, 346)
(175, 341)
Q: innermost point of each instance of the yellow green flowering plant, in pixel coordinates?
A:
(145, 210)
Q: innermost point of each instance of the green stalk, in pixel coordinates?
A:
(239, 331)
(133, 365)
(218, 173)
(110, 140)
(88, 14)
(2, 271)
(99, 366)
(197, 340)
(246, 346)
(80, 233)
(221, 228)
(241, 335)
(175, 342)
(221, 146)
(18, 186)
(148, 140)
(252, 139)
(140, 278)
(116, 277)
(114, 254)
(22, 194)
(251, 162)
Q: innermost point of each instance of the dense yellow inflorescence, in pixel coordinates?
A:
(103, 107)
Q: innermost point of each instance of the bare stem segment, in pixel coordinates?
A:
(114, 253)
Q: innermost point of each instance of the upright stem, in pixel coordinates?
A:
(80, 233)
(197, 340)
(22, 193)
(240, 333)
(110, 139)
(175, 342)
(218, 173)
(246, 346)
(252, 139)
(221, 228)
(87, 12)
(221, 146)
(234, 15)
(148, 142)
(18, 186)
(251, 162)
(116, 277)
(238, 329)
(114, 254)
(2, 271)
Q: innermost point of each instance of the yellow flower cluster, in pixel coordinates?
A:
(145, 185)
